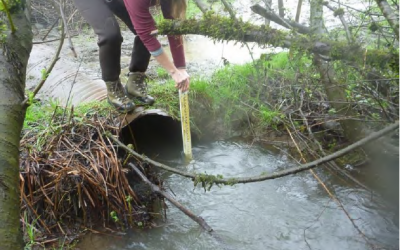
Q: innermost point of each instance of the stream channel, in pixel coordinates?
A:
(294, 212)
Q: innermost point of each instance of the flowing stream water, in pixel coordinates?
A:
(293, 212)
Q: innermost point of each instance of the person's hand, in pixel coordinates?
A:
(182, 79)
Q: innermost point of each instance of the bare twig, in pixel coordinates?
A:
(267, 13)
(72, 86)
(49, 41)
(51, 28)
(311, 134)
(71, 45)
(47, 72)
(232, 13)
(199, 220)
(339, 13)
(263, 177)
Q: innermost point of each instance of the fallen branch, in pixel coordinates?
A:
(227, 29)
(212, 179)
(156, 189)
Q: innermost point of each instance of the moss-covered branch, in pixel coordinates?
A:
(208, 180)
(227, 29)
(223, 28)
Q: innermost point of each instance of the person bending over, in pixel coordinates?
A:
(100, 14)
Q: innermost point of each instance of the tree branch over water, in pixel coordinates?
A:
(227, 29)
(208, 180)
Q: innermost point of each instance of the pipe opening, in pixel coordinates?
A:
(155, 135)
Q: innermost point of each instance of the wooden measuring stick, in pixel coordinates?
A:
(185, 124)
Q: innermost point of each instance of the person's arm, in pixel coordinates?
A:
(144, 25)
(180, 76)
(175, 42)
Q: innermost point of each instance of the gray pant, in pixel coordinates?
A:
(100, 16)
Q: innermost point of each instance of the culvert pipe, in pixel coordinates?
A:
(152, 132)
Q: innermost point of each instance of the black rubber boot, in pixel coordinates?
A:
(117, 97)
(136, 89)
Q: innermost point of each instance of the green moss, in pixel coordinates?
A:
(338, 12)
(222, 28)
(207, 181)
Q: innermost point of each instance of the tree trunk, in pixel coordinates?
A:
(15, 49)
(392, 16)
(281, 8)
(353, 130)
(267, 4)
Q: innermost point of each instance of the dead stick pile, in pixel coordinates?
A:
(71, 175)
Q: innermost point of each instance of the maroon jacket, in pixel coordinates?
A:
(144, 24)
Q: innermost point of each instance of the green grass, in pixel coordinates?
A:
(233, 90)
(166, 96)
(48, 119)
(30, 232)
(269, 117)
(40, 116)
(285, 64)
(162, 73)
